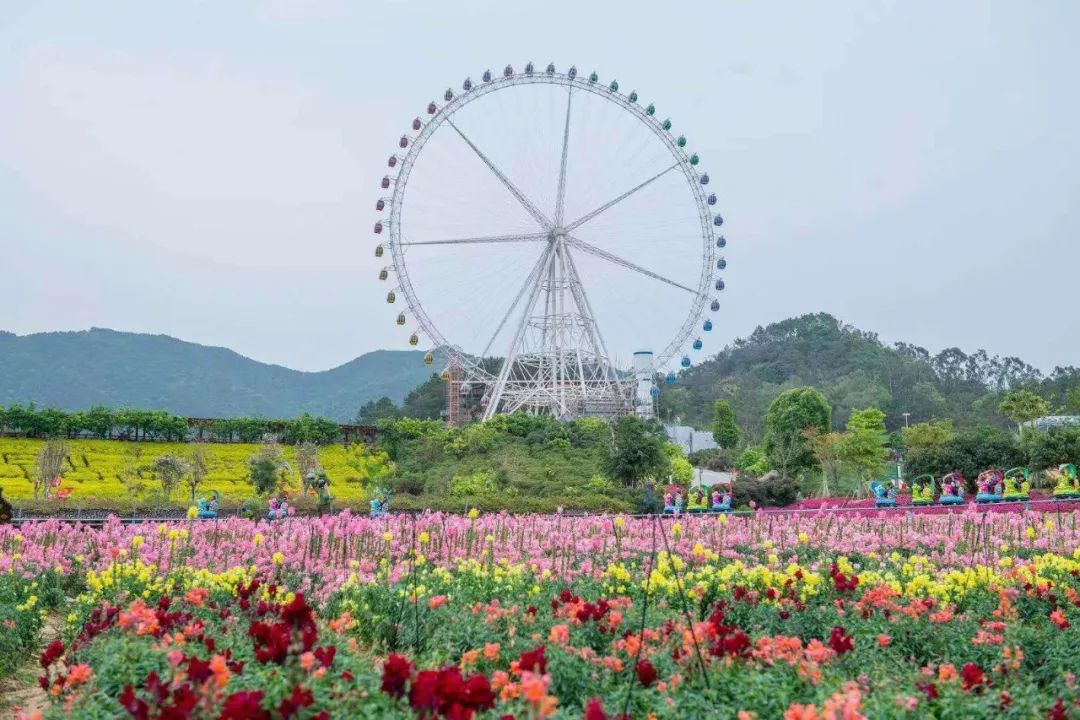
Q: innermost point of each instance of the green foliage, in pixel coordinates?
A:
(927, 435)
(267, 468)
(1073, 398)
(791, 414)
(970, 452)
(306, 428)
(479, 483)
(375, 410)
(168, 469)
(680, 469)
(854, 369)
(725, 431)
(1052, 448)
(863, 447)
(753, 461)
(772, 490)
(1023, 405)
(717, 459)
(638, 450)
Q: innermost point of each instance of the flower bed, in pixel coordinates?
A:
(543, 616)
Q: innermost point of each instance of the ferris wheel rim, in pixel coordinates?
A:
(444, 114)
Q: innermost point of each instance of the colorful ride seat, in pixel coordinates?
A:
(952, 489)
(884, 493)
(1017, 485)
(922, 490)
(1066, 485)
(990, 486)
(208, 507)
(721, 501)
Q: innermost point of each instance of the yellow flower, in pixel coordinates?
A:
(804, 538)
(257, 539)
(473, 514)
(278, 558)
(192, 512)
(424, 537)
(620, 522)
(1030, 532)
(137, 541)
(676, 530)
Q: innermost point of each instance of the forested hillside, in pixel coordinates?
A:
(855, 370)
(76, 370)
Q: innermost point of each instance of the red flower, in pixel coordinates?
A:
(972, 676)
(533, 661)
(594, 710)
(646, 673)
(929, 689)
(397, 671)
(52, 653)
(325, 655)
(135, 706)
(1058, 711)
(840, 641)
(300, 697)
(245, 705)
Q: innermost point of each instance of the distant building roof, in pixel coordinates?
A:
(690, 439)
(1049, 422)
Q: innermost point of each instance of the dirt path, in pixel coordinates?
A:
(21, 694)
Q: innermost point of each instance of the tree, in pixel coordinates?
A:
(131, 475)
(828, 451)
(197, 467)
(969, 453)
(49, 466)
(375, 410)
(725, 431)
(679, 467)
(1073, 398)
(267, 467)
(928, 434)
(638, 450)
(1022, 406)
(168, 469)
(307, 461)
(788, 416)
(863, 448)
(316, 429)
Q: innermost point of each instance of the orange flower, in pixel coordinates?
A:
(818, 652)
(469, 657)
(491, 651)
(883, 640)
(560, 634)
(533, 687)
(307, 661)
(499, 679)
(220, 670)
(746, 715)
(613, 663)
(197, 596)
(796, 711)
(947, 672)
(436, 601)
(1058, 618)
(78, 674)
(342, 623)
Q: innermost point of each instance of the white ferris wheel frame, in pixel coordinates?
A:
(555, 261)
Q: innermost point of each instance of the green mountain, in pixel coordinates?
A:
(855, 370)
(74, 370)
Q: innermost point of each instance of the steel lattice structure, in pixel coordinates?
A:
(557, 361)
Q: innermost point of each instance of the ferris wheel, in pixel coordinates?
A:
(546, 218)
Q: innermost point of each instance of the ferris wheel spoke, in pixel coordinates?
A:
(610, 257)
(608, 205)
(529, 282)
(522, 237)
(526, 203)
(560, 202)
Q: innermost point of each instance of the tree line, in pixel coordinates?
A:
(159, 425)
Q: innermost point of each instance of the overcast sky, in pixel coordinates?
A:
(208, 170)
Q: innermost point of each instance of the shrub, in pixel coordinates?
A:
(771, 490)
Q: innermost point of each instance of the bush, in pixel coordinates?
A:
(772, 490)
(753, 461)
(969, 453)
(1052, 448)
(716, 459)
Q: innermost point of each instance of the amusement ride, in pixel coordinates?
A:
(551, 219)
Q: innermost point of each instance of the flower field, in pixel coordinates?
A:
(493, 616)
(94, 471)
